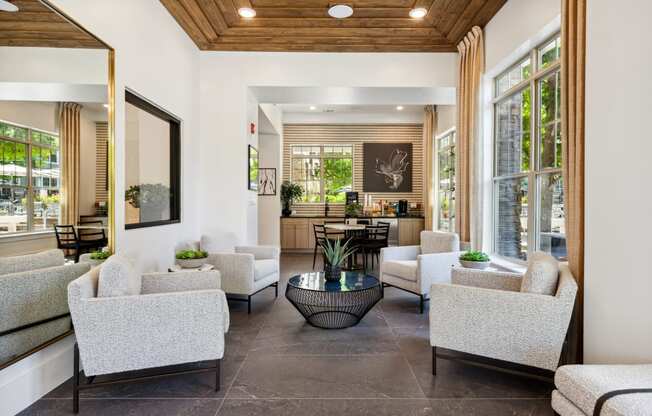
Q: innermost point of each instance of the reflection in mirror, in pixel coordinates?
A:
(54, 170)
(152, 164)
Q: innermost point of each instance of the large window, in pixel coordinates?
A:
(29, 179)
(446, 182)
(325, 172)
(528, 191)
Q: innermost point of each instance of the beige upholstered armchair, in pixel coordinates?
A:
(415, 268)
(247, 270)
(127, 321)
(505, 316)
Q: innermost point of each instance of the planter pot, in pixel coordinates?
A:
(86, 258)
(286, 211)
(332, 273)
(191, 263)
(481, 265)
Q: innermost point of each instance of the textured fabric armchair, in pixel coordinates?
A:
(174, 318)
(248, 270)
(415, 268)
(33, 302)
(490, 314)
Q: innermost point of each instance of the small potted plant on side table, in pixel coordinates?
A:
(290, 192)
(334, 255)
(95, 258)
(191, 259)
(475, 260)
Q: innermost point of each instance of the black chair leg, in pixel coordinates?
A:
(434, 361)
(314, 258)
(75, 386)
(249, 305)
(421, 304)
(276, 289)
(218, 375)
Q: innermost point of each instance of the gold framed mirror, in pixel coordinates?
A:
(57, 147)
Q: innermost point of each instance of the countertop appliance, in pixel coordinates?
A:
(402, 208)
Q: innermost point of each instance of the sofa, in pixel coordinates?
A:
(33, 303)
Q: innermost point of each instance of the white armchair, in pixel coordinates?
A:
(248, 270)
(415, 268)
(124, 321)
(493, 314)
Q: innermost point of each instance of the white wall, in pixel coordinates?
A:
(270, 140)
(446, 118)
(225, 78)
(618, 272)
(155, 58)
(516, 22)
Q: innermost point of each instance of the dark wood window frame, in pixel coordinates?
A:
(175, 159)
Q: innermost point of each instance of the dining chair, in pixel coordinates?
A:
(94, 234)
(377, 238)
(68, 240)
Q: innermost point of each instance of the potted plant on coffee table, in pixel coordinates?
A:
(475, 260)
(290, 192)
(191, 259)
(335, 253)
(96, 257)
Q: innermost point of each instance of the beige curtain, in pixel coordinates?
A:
(471, 67)
(69, 138)
(429, 129)
(573, 32)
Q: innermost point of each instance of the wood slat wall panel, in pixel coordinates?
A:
(101, 161)
(357, 135)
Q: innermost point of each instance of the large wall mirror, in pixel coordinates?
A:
(56, 157)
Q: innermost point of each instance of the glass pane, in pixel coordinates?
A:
(312, 191)
(515, 75)
(552, 237)
(13, 163)
(550, 123)
(338, 179)
(13, 132)
(13, 210)
(148, 196)
(510, 231)
(513, 134)
(46, 209)
(45, 138)
(549, 53)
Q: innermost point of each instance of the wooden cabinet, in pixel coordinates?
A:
(409, 230)
(295, 233)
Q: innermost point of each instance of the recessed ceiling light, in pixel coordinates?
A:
(313, 108)
(105, 105)
(418, 13)
(399, 107)
(5, 6)
(340, 11)
(246, 12)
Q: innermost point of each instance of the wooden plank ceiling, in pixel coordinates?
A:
(304, 25)
(35, 24)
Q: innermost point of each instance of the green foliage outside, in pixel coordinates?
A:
(191, 254)
(475, 256)
(253, 169)
(338, 179)
(335, 252)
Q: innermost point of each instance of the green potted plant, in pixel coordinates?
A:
(475, 260)
(95, 258)
(353, 210)
(290, 192)
(334, 255)
(151, 198)
(191, 259)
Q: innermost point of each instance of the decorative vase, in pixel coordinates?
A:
(191, 263)
(332, 273)
(286, 210)
(480, 265)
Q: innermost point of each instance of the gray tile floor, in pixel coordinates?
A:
(276, 364)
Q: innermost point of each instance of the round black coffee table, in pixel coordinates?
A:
(333, 304)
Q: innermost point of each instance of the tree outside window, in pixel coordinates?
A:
(325, 172)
